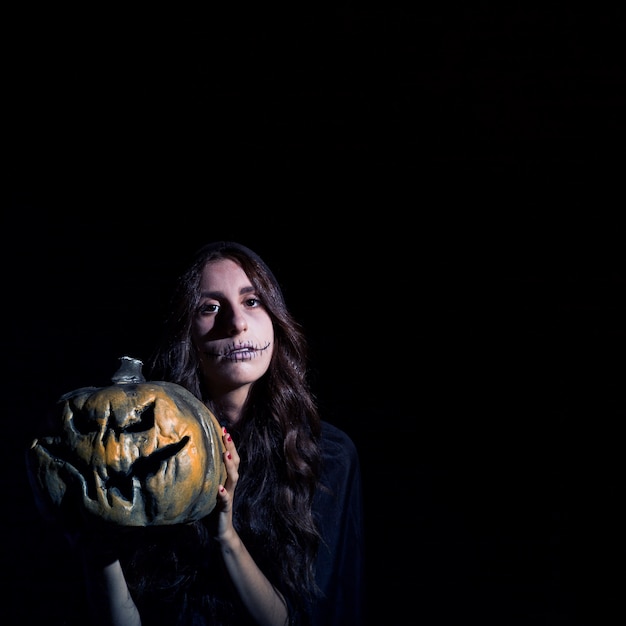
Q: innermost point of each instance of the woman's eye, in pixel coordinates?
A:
(205, 309)
(253, 302)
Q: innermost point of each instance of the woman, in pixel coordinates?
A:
(284, 543)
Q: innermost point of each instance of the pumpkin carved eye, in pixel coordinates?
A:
(140, 420)
(135, 453)
(144, 422)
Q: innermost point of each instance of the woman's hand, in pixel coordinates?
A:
(226, 491)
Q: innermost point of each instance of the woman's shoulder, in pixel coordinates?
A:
(333, 435)
(341, 476)
(337, 445)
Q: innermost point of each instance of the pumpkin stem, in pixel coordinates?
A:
(129, 371)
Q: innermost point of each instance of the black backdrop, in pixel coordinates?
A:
(438, 190)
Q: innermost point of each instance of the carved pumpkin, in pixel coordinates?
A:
(135, 453)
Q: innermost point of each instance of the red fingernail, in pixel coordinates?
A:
(228, 456)
(221, 489)
(229, 438)
(224, 429)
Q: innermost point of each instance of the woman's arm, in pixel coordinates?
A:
(264, 602)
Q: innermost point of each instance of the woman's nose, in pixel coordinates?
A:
(237, 323)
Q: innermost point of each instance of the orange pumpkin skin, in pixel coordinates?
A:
(135, 453)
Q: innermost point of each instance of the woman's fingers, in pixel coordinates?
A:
(226, 491)
(231, 461)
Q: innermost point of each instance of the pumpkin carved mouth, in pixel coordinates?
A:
(120, 483)
(136, 453)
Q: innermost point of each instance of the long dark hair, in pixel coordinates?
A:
(277, 437)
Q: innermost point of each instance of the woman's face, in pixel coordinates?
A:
(231, 329)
